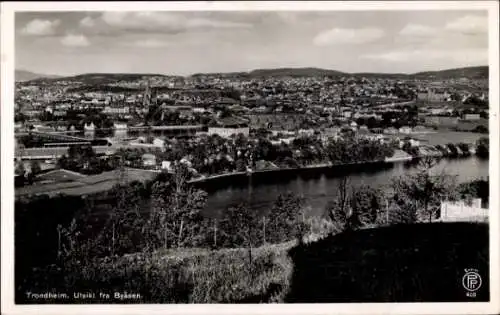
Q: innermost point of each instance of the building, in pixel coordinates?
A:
(390, 131)
(148, 160)
(116, 110)
(472, 117)
(227, 127)
(461, 211)
(305, 132)
(167, 165)
(441, 121)
(89, 127)
(157, 142)
(119, 126)
(405, 129)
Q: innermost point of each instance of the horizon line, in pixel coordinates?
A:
(249, 71)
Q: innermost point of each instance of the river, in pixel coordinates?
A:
(319, 186)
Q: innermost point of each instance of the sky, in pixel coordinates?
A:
(183, 43)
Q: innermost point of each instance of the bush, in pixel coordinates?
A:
(192, 276)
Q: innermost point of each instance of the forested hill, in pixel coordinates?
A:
(22, 75)
(480, 72)
(469, 72)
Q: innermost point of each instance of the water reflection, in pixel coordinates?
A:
(320, 186)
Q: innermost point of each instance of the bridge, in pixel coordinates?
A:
(57, 136)
(54, 153)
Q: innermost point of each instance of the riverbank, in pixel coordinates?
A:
(282, 169)
(317, 166)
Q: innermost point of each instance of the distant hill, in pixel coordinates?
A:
(295, 72)
(97, 78)
(480, 72)
(23, 75)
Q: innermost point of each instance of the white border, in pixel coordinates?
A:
(7, 154)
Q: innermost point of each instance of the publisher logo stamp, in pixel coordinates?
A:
(471, 282)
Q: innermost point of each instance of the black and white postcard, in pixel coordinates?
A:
(250, 157)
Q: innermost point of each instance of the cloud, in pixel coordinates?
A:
(417, 30)
(73, 40)
(38, 27)
(148, 43)
(87, 22)
(460, 55)
(469, 25)
(348, 36)
(288, 17)
(164, 22)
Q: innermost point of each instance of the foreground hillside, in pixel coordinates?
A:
(402, 263)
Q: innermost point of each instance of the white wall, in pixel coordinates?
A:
(459, 211)
(227, 132)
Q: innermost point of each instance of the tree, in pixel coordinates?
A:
(453, 149)
(419, 195)
(475, 189)
(240, 227)
(35, 167)
(338, 210)
(483, 147)
(283, 218)
(481, 129)
(123, 228)
(366, 203)
(464, 147)
(355, 207)
(19, 169)
(240, 165)
(176, 219)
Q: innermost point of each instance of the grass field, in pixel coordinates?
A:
(445, 137)
(86, 184)
(401, 263)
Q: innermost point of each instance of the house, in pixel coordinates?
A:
(89, 127)
(59, 113)
(18, 127)
(199, 110)
(306, 132)
(229, 126)
(157, 142)
(437, 111)
(167, 165)
(472, 117)
(116, 110)
(414, 142)
(405, 129)
(442, 121)
(120, 126)
(390, 130)
(42, 128)
(148, 159)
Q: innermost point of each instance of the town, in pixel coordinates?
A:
(227, 123)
